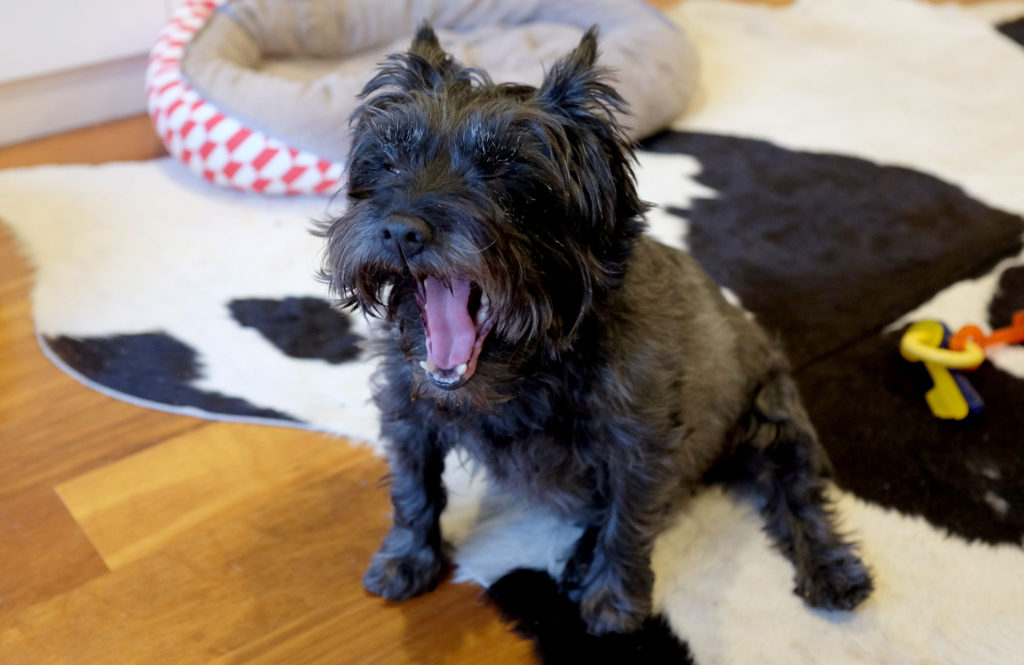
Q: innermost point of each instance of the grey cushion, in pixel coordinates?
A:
(293, 69)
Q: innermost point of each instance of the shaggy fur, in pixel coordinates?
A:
(497, 229)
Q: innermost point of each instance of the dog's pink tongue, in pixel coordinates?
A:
(450, 330)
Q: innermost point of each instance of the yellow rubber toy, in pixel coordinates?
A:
(922, 343)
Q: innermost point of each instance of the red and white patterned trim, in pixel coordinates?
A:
(213, 144)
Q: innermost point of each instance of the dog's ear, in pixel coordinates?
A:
(426, 45)
(591, 167)
(575, 84)
(580, 117)
(425, 67)
(432, 63)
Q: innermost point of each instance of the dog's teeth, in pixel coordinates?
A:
(482, 313)
(461, 369)
(427, 365)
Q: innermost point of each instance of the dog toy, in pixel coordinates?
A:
(946, 356)
(1012, 334)
(951, 396)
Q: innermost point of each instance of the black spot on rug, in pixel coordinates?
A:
(530, 600)
(1013, 29)
(150, 366)
(1009, 298)
(300, 327)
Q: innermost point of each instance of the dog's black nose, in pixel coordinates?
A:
(405, 235)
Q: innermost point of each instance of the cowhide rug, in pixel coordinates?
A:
(850, 167)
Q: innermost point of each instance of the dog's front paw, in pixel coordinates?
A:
(840, 582)
(607, 611)
(399, 573)
(611, 602)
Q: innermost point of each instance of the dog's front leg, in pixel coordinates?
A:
(411, 560)
(610, 567)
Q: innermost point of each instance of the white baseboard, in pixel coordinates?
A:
(34, 107)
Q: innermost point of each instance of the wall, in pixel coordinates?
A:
(71, 63)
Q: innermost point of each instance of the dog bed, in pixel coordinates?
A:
(256, 94)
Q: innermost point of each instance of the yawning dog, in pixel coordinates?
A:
(496, 228)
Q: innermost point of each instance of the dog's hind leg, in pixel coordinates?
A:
(781, 458)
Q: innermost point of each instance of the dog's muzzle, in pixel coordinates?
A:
(405, 236)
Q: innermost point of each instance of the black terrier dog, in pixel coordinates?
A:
(497, 229)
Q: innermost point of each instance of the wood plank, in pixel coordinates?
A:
(127, 139)
(274, 578)
(450, 625)
(42, 550)
(135, 506)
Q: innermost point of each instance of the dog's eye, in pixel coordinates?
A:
(393, 169)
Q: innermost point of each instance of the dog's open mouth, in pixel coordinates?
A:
(456, 320)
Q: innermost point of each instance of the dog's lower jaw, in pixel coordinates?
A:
(443, 383)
